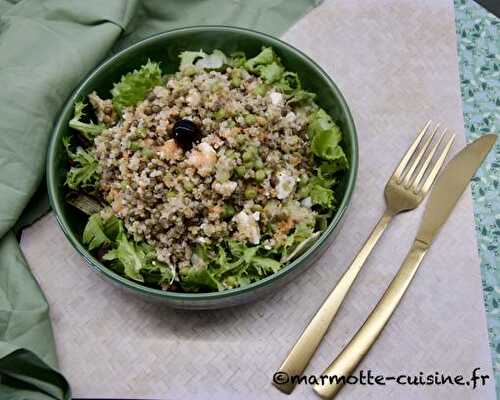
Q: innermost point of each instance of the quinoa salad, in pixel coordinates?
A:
(206, 179)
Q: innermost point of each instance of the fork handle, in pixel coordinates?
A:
(302, 352)
(347, 361)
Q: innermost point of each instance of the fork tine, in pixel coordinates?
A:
(408, 175)
(404, 161)
(439, 163)
(427, 161)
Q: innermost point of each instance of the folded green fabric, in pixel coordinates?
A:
(46, 48)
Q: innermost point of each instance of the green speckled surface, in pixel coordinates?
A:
(479, 57)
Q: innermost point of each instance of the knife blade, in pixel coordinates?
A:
(451, 184)
(443, 198)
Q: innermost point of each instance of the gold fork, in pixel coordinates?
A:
(404, 191)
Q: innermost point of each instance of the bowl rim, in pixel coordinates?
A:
(56, 204)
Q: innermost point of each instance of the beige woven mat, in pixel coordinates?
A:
(396, 63)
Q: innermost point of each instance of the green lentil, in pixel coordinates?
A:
(215, 87)
(240, 170)
(261, 89)
(257, 207)
(141, 132)
(188, 186)
(229, 210)
(250, 192)
(134, 146)
(250, 153)
(236, 82)
(260, 175)
(220, 114)
(250, 119)
(148, 153)
(189, 71)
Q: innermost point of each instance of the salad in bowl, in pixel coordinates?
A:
(207, 179)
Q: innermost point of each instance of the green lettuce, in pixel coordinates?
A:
(195, 279)
(134, 86)
(88, 129)
(231, 264)
(252, 265)
(188, 58)
(216, 60)
(319, 121)
(86, 171)
(237, 59)
(201, 60)
(301, 232)
(265, 57)
(322, 196)
(137, 261)
(321, 192)
(267, 65)
(289, 82)
(325, 144)
(100, 232)
(291, 86)
(301, 96)
(325, 137)
(271, 73)
(328, 169)
(265, 265)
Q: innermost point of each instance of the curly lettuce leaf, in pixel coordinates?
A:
(188, 58)
(195, 279)
(216, 60)
(320, 191)
(301, 96)
(86, 171)
(325, 137)
(128, 256)
(154, 271)
(301, 233)
(233, 264)
(328, 169)
(265, 57)
(101, 231)
(88, 129)
(270, 73)
(138, 261)
(93, 234)
(291, 86)
(319, 121)
(134, 86)
(237, 59)
(265, 265)
(322, 196)
(289, 82)
(325, 144)
(201, 60)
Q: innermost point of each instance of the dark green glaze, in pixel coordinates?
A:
(165, 48)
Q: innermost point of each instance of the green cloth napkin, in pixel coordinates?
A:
(46, 48)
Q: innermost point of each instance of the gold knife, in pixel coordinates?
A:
(447, 191)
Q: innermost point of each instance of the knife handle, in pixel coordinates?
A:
(347, 361)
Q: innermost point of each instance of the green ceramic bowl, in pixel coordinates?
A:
(165, 48)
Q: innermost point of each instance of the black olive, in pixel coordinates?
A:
(186, 133)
